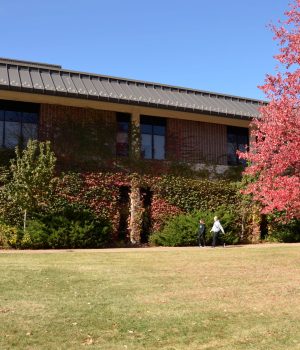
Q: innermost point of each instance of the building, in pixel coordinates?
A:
(97, 122)
(88, 115)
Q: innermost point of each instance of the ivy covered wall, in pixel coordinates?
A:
(170, 196)
(84, 142)
(85, 138)
(81, 138)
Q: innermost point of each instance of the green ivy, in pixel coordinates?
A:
(193, 194)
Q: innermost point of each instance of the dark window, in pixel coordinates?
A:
(122, 142)
(153, 137)
(18, 123)
(237, 140)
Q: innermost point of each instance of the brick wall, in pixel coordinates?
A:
(81, 138)
(196, 142)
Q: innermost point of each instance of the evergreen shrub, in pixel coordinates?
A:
(71, 228)
(286, 233)
(182, 230)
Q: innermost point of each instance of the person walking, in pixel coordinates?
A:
(217, 227)
(201, 233)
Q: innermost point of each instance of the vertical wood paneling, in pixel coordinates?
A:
(187, 141)
(58, 123)
(196, 142)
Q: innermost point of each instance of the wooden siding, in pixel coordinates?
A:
(80, 137)
(196, 142)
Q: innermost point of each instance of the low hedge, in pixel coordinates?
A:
(66, 229)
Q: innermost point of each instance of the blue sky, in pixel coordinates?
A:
(215, 45)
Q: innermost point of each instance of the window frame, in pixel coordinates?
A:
(152, 123)
(238, 133)
(23, 109)
(126, 119)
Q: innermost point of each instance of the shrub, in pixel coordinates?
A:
(8, 236)
(30, 182)
(36, 235)
(229, 219)
(287, 233)
(182, 230)
(71, 228)
(178, 231)
(64, 233)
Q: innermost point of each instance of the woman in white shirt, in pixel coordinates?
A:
(217, 227)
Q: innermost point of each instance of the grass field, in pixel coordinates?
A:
(182, 298)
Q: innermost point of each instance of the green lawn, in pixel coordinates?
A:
(189, 298)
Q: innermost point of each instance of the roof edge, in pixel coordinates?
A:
(155, 84)
(29, 63)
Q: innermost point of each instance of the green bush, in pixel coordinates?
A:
(229, 219)
(29, 182)
(64, 233)
(287, 233)
(196, 194)
(71, 228)
(36, 235)
(179, 231)
(182, 230)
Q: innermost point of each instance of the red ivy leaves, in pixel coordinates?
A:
(161, 210)
(101, 191)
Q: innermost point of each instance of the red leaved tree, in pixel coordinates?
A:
(274, 155)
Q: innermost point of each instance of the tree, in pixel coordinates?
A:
(274, 155)
(31, 182)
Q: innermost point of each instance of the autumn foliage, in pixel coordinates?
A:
(274, 155)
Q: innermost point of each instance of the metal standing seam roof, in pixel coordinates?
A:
(53, 80)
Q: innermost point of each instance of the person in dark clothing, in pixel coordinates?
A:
(201, 233)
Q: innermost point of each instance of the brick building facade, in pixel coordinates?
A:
(95, 122)
(88, 116)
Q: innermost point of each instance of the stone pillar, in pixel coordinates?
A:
(136, 205)
(135, 136)
(136, 211)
